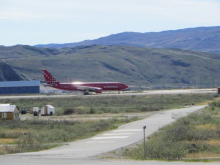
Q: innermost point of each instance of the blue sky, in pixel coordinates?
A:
(31, 22)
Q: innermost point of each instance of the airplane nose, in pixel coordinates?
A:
(126, 88)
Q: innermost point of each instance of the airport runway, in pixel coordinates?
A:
(129, 93)
(83, 151)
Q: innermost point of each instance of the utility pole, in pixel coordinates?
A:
(144, 128)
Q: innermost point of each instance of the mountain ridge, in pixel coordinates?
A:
(205, 39)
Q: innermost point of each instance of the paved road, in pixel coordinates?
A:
(83, 151)
(58, 161)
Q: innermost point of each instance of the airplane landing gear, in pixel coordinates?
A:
(86, 92)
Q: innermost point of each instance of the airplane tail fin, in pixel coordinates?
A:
(49, 78)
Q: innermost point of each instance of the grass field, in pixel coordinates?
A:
(35, 134)
(112, 104)
(192, 137)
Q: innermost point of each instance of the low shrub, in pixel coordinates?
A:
(68, 111)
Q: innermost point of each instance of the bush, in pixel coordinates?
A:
(158, 148)
(92, 111)
(68, 111)
(165, 149)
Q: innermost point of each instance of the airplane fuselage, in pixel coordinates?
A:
(105, 86)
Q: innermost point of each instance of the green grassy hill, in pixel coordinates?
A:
(131, 65)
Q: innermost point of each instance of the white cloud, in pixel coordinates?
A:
(113, 9)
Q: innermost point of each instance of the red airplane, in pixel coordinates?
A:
(85, 87)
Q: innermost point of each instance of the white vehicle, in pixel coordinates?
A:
(47, 110)
(36, 111)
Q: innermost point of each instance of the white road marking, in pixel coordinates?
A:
(128, 130)
(117, 134)
(101, 142)
(110, 137)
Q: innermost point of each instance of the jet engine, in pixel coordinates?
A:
(99, 90)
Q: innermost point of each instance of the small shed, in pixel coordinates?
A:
(47, 110)
(9, 112)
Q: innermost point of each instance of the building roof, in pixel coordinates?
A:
(19, 83)
(50, 106)
(4, 104)
(7, 108)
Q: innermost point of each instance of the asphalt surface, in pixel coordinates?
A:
(84, 151)
(127, 93)
(57, 161)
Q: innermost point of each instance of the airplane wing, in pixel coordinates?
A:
(92, 89)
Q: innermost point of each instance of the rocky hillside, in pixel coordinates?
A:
(8, 74)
